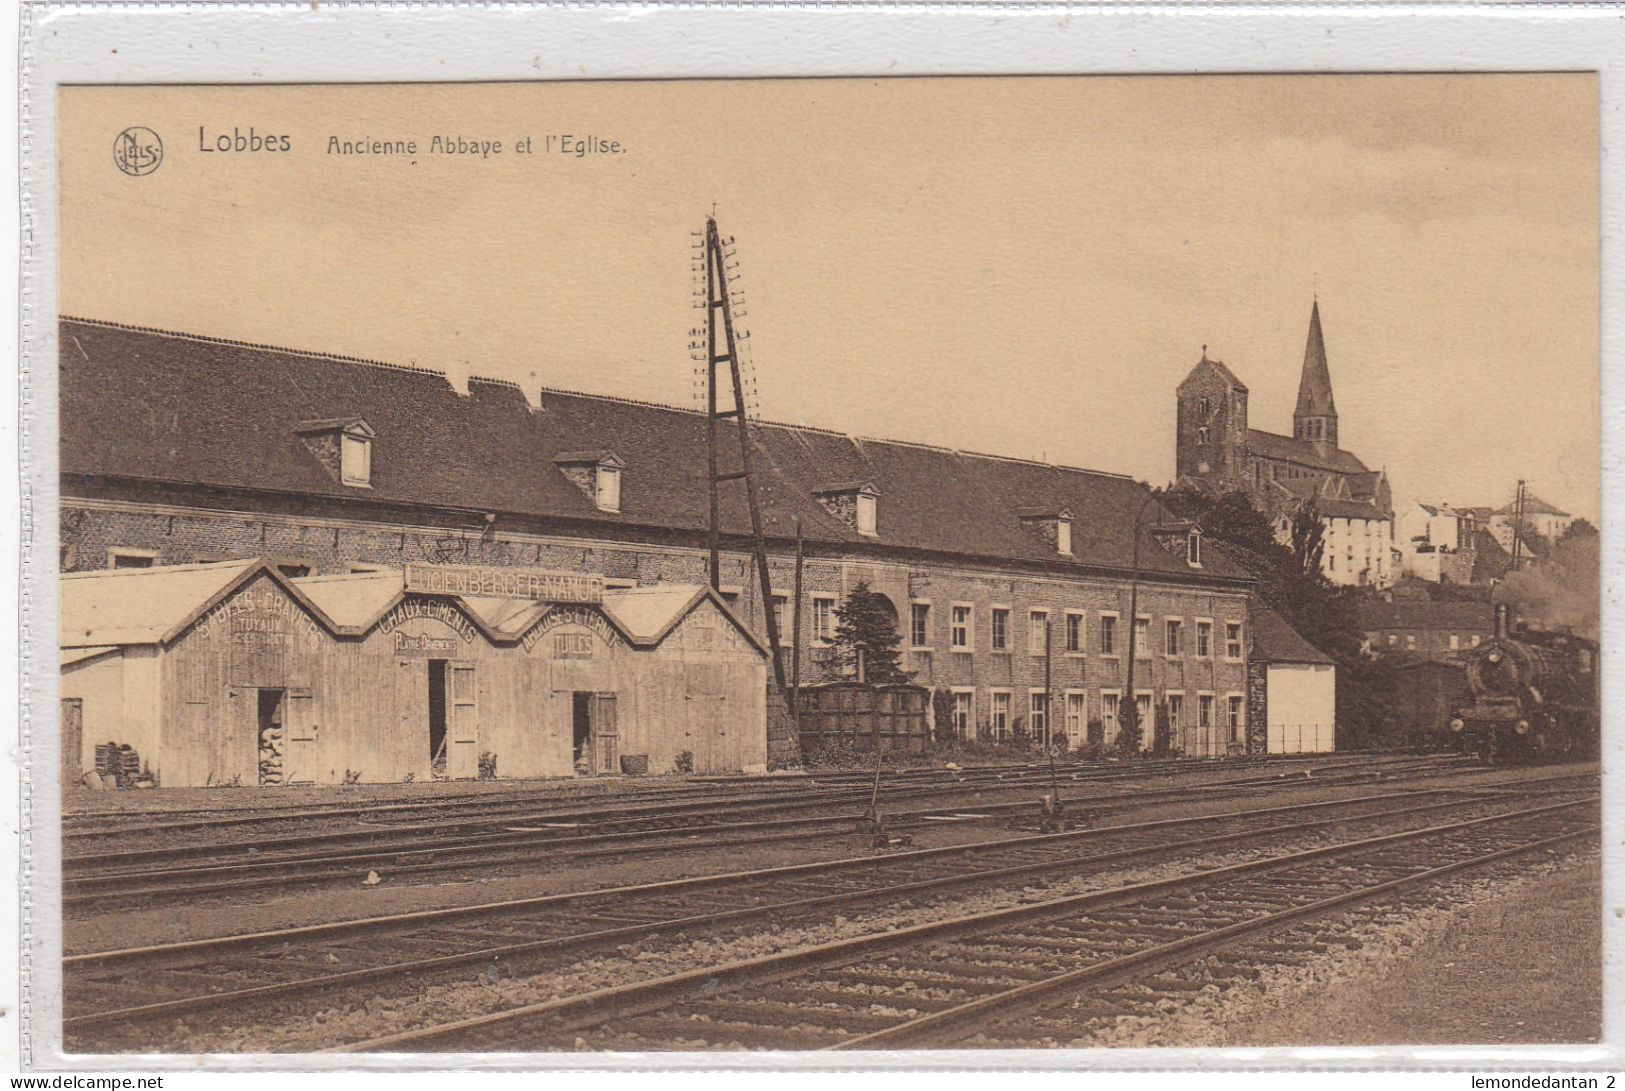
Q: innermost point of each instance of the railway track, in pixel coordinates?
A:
(136, 877)
(939, 982)
(87, 827)
(242, 974)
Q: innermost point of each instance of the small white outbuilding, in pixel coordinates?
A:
(1292, 688)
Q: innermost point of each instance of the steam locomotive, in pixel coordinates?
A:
(1535, 697)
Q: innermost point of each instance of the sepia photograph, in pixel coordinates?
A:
(1097, 562)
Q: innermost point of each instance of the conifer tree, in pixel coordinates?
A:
(867, 622)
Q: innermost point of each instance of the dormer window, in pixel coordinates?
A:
(866, 514)
(597, 474)
(1193, 548)
(355, 458)
(855, 503)
(609, 488)
(1054, 525)
(343, 445)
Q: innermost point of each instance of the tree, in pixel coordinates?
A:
(1578, 530)
(1308, 539)
(1162, 743)
(866, 623)
(1491, 561)
(1129, 728)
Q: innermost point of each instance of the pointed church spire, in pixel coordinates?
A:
(1315, 418)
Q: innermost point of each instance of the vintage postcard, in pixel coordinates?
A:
(800, 566)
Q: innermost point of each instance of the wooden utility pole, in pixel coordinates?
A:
(1517, 529)
(795, 638)
(1049, 695)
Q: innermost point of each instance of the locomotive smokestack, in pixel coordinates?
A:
(1502, 613)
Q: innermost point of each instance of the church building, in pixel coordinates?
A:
(1218, 452)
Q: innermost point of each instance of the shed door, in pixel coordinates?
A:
(606, 734)
(73, 743)
(463, 747)
(300, 757)
(412, 718)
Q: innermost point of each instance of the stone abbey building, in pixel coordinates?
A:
(1010, 579)
(1217, 450)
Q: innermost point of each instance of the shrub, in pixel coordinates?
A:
(488, 766)
(942, 712)
(684, 762)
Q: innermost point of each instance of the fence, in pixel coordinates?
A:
(1300, 738)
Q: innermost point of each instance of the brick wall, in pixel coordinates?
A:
(181, 536)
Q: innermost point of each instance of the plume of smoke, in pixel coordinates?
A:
(1562, 591)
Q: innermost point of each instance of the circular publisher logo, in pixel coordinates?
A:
(138, 151)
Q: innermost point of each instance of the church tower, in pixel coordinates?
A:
(1315, 418)
(1211, 438)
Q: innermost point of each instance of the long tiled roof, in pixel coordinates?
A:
(166, 407)
(1426, 615)
(1304, 452)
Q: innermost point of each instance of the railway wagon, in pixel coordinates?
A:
(231, 673)
(861, 716)
(1534, 697)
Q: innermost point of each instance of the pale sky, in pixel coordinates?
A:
(1025, 266)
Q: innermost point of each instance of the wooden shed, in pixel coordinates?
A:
(230, 673)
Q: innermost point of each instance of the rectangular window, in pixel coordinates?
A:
(1204, 639)
(1110, 705)
(1108, 634)
(823, 619)
(1142, 636)
(866, 515)
(1474, 642)
(1063, 536)
(1001, 629)
(1455, 642)
(1148, 721)
(355, 460)
(1233, 717)
(919, 624)
(962, 713)
(781, 603)
(121, 557)
(1038, 632)
(1176, 712)
(1232, 640)
(609, 488)
(1172, 630)
(1410, 641)
(959, 629)
(1038, 715)
(1074, 632)
(1076, 724)
(1001, 714)
(1204, 711)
